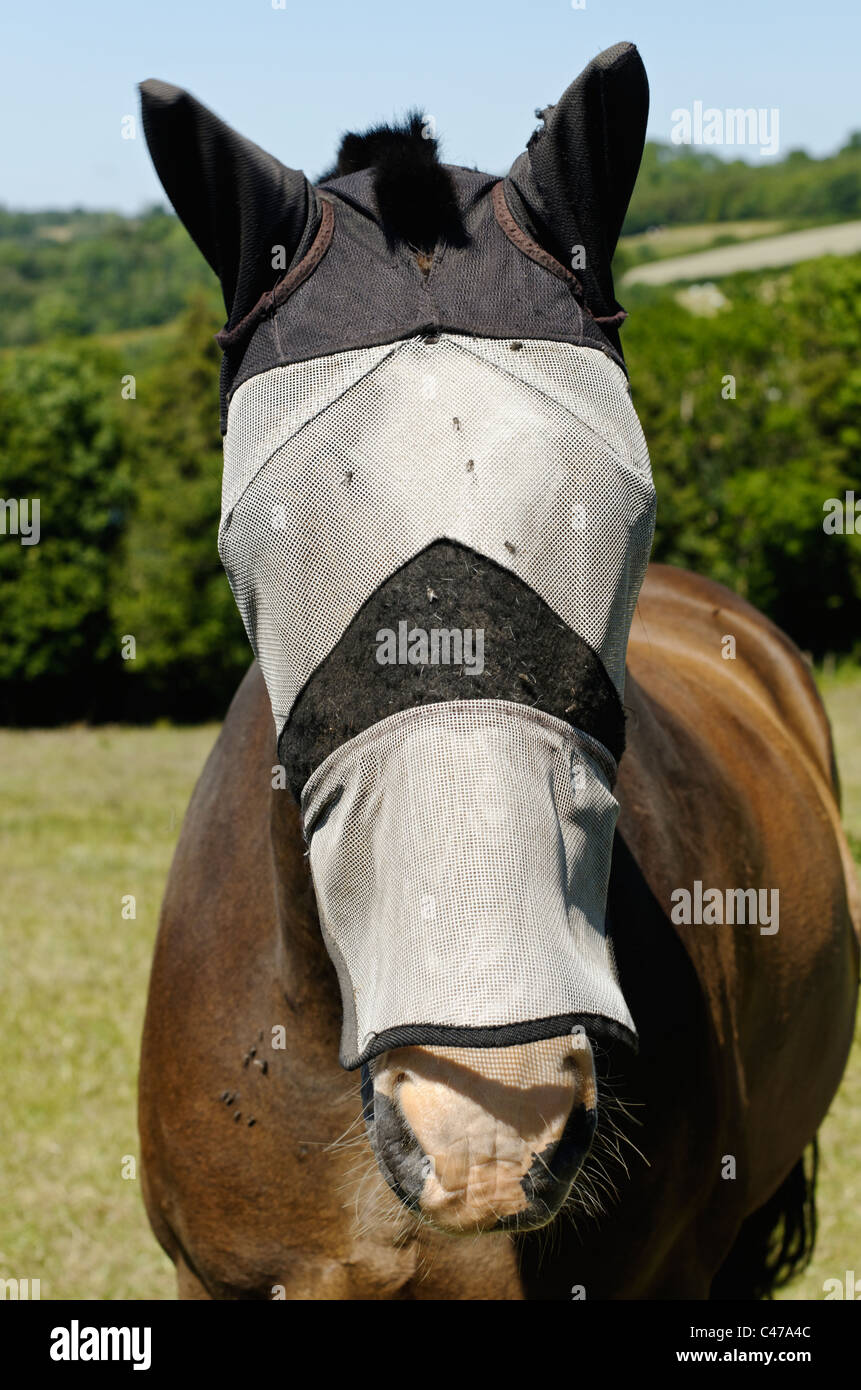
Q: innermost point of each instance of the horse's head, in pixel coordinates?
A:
(437, 513)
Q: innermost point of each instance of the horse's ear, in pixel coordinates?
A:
(578, 172)
(239, 203)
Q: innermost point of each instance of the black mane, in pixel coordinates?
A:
(415, 193)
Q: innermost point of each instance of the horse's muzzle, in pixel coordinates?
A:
(477, 1140)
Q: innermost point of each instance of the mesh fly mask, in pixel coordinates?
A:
(375, 409)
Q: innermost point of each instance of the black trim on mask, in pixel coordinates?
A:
(597, 1028)
(530, 657)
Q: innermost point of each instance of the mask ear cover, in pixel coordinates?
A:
(572, 185)
(236, 201)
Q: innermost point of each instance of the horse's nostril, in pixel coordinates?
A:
(397, 1150)
(400, 1078)
(571, 1061)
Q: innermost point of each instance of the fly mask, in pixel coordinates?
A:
(430, 449)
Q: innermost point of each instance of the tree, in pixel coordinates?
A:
(60, 445)
(173, 594)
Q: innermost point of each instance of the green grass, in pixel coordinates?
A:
(86, 817)
(838, 1244)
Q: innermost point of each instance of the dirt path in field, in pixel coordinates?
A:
(841, 240)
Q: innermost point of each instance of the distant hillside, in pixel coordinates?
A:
(679, 184)
(72, 274)
(76, 273)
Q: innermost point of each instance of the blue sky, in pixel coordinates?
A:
(293, 79)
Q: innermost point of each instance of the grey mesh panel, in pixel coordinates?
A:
(340, 469)
(460, 854)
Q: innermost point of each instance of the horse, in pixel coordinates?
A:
(604, 1079)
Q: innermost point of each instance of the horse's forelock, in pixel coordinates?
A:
(415, 193)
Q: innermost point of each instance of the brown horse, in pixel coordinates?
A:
(258, 1177)
(428, 420)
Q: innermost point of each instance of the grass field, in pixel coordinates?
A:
(88, 816)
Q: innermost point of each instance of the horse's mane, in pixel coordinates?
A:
(415, 193)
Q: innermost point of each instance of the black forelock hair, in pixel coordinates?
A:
(415, 193)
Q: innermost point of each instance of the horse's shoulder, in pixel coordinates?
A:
(712, 641)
